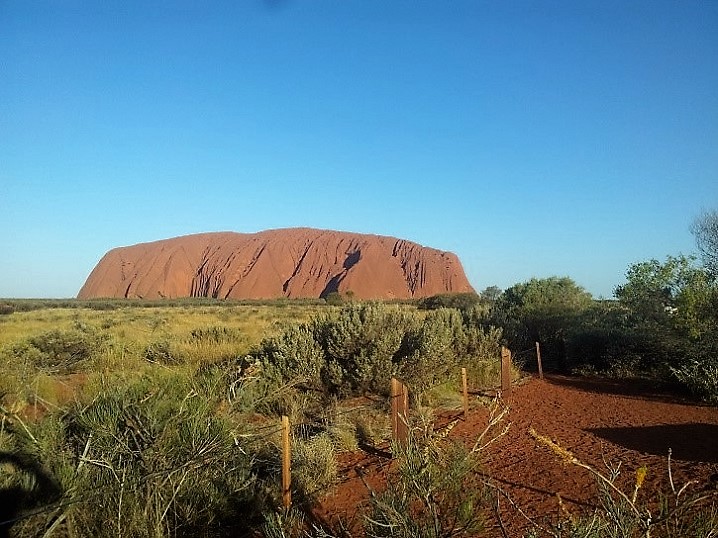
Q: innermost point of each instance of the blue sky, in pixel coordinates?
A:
(531, 138)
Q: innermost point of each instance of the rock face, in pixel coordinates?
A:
(296, 262)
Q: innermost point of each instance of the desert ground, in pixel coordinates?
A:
(598, 420)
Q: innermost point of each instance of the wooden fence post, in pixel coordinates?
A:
(538, 358)
(399, 411)
(466, 393)
(405, 410)
(505, 370)
(395, 394)
(286, 464)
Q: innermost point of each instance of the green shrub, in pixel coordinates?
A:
(700, 377)
(362, 344)
(459, 301)
(215, 335)
(434, 491)
(162, 352)
(294, 355)
(541, 310)
(336, 298)
(58, 351)
(154, 453)
(437, 346)
(358, 349)
(314, 466)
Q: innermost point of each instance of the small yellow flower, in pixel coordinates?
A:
(641, 473)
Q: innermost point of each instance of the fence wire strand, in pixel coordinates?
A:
(252, 433)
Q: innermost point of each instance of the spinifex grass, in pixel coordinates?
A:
(154, 450)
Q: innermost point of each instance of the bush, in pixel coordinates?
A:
(435, 490)
(58, 351)
(663, 326)
(215, 335)
(161, 352)
(436, 347)
(336, 298)
(541, 310)
(294, 355)
(314, 466)
(359, 348)
(459, 301)
(362, 344)
(700, 377)
(165, 462)
(672, 308)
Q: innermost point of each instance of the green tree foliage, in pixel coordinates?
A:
(602, 338)
(673, 313)
(541, 310)
(674, 294)
(490, 294)
(460, 301)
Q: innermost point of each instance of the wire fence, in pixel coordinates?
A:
(252, 434)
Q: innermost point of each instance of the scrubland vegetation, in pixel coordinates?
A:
(135, 419)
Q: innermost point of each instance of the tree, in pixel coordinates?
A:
(460, 301)
(551, 294)
(491, 294)
(542, 310)
(705, 230)
(673, 312)
(675, 294)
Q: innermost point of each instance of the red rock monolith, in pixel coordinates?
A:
(294, 263)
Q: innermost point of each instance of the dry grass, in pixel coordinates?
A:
(141, 325)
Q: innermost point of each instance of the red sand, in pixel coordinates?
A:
(595, 419)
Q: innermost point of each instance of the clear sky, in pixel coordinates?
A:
(532, 138)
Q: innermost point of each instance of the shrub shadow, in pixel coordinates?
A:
(374, 451)
(544, 492)
(16, 500)
(643, 389)
(689, 442)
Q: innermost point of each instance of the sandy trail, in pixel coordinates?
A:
(597, 420)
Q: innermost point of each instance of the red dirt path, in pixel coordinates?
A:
(595, 419)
